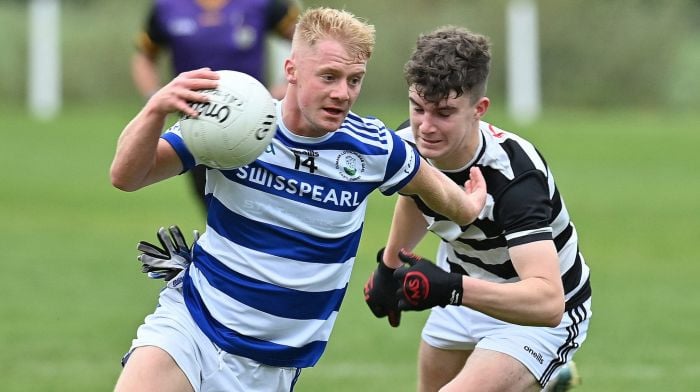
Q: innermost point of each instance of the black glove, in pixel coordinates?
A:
(380, 292)
(165, 263)
(424, 285)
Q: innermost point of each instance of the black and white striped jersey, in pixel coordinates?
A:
(523, 205)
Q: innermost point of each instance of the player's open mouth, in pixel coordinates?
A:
(334, 112)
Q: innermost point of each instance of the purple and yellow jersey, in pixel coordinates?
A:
(219, 34)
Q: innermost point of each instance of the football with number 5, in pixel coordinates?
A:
(235, 126)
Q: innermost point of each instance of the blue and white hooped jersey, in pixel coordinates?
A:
(272, 268)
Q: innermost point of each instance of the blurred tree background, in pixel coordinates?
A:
(594, 53)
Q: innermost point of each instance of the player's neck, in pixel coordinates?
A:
(295, 121)
(211, 5)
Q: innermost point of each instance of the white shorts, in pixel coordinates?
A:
(542, 350)
(207, 367)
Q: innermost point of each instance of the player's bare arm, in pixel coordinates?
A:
(445, 197)
(537, 299)
(142, 158)
(144, 72)
(408, 227)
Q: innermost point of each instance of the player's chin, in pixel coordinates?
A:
(332, 120)
(430, 150)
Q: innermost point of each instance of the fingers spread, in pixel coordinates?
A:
(179, 239)
(164, 237)
(150, 249)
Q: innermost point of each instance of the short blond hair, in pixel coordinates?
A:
(316, 24)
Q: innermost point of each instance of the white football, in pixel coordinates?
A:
(235, 126)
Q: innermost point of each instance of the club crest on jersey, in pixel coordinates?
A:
(244, 37)
(350, 165)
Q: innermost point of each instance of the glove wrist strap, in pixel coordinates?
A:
(456, 290)
(381, 267)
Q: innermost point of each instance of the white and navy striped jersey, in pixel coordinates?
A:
(523, 205)
(273, 265)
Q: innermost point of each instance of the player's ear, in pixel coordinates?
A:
(482, 106)
(290, 71)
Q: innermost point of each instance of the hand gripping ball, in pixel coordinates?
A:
(235, 126)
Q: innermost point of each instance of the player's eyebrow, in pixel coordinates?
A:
(446, 107)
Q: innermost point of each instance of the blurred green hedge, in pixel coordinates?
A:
(594, 53)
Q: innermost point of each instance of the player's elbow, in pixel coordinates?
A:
(554, 318)
(544, 318)
(123, 186)
(554, 313)
(122, 182)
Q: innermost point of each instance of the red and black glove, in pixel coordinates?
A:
(380, 292)
(424, 284)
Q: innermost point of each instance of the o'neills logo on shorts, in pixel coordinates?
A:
(534, 354)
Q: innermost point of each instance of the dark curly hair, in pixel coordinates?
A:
(449, 59)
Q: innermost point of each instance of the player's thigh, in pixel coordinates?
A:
(492, 371)
(151, 369)
(437, 366)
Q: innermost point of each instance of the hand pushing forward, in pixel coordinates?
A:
(475, 188)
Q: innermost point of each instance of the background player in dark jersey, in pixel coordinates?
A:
(218, 34)
(519, 283)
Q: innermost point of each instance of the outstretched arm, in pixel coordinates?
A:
(142, 158)
(443, 196)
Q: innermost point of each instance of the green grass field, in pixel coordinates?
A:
(72, 294)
